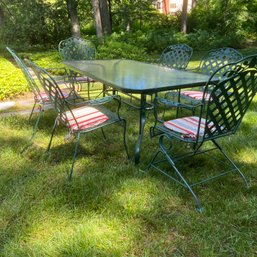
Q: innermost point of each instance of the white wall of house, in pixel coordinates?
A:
(172, 6)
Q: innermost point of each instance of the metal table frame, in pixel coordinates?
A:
(139, 78)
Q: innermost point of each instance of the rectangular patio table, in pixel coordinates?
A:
(141, 78)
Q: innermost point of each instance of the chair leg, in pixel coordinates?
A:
(32, 111)
(199, 208)
(36, 124)
(233, 164)
(74, 156)
(33, 132)
(51, 138)
(103, 133)
(179, 97)
(172, 164)
(88, 90)
(152, 161)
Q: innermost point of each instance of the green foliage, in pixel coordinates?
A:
(12, 80)
(114, 49)
(42, 24)
(204, 40)
(131, 15)
(225, 17)
(32, 23)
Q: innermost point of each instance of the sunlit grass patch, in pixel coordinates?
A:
(63, 234)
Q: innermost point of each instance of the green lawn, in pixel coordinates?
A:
(114, 208)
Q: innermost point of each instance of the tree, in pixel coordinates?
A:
(193, 4)
(73, 15)
(102, 17)
(184, 17)
(129, 15)
(1, 16)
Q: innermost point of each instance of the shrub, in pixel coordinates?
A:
(112, 49)
(11, 79)
(204, 40)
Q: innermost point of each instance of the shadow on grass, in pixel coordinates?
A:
(111, 197)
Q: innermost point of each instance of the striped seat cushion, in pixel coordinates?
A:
(187, 126)
(86, 117)
(44, 96)
(197, 95)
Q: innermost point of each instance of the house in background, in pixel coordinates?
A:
(171, 6)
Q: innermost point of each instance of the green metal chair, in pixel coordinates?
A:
(41, 100)
(76, 48)
(176, 56)
(80, 118)
(212, 61)
(226, 105)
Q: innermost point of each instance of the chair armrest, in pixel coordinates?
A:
(63, 69)
(171, 103)
(95, 102)
(103, 100)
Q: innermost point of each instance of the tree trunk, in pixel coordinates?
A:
(184, 17)
(110, 11)
(97, 17)
(1, 16)
(193, 4)
(73, 14)
(102, 17)
(105, 17)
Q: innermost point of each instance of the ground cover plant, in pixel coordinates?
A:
(112, 207)
(12, 80)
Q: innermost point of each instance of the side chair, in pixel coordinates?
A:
(41, 99)
(176, 56)
(226, 103)
(215, 59)
(75, 49)
(80, 118)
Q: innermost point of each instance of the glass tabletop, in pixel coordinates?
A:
(137, 77)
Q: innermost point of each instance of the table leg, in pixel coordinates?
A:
(142, 120)
(104, 88)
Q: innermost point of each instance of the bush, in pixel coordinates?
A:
(113, 49)
(204, 40)
(12, 80)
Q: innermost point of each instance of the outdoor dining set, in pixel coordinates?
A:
(209, 102)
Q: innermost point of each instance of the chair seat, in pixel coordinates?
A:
(43, 96)
(196, 95)
(84, 79)
(86, 117)
(187, 126)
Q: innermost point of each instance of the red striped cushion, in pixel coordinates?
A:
(197, 95)
(44, 96)
(187, 126)
(86, 117)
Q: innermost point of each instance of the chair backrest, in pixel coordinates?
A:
(54, 93)
(176, 56)
(27, 73)
(217, 58)
(230, 98)
(75, 48)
